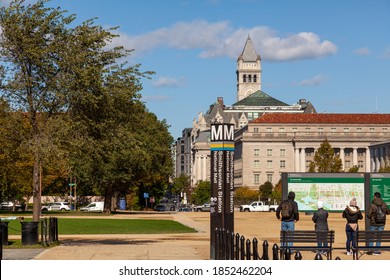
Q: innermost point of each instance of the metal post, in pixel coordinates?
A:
(298, 256)
(265, 250)
(275, 252)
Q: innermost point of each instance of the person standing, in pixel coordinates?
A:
(287, 213)
(352, 214)
(377, 219)
(320, 219)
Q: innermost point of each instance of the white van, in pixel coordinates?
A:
(97, 206)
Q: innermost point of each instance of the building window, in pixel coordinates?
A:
(359, 129)
(347, 164)
(269, 163)
(282, 131)
(269, 178)
(256, 178)
(256, 163)
(244, 78)
(372, 129)
(282, 164)
(347, 154)
(269, 152)
(320, 130)
(360, 164)
(282, 152)
(346, 129)
(255, 78)
(256, 130)
(333, 129)
(361, 154)
(249, 78)
(256, 152)
(268, 129)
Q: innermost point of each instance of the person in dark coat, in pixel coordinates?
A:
(374, 225)
(352, 214)
(320, 219)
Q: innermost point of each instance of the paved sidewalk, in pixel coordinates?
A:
(188, 246)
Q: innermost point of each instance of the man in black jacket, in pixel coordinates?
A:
(375, 224)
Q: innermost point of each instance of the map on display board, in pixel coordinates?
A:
(335, 190)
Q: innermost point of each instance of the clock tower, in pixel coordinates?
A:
(248, 71)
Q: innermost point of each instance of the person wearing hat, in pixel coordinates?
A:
(352, 214)
(320, 219)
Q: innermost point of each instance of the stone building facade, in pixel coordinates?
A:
(276, 143)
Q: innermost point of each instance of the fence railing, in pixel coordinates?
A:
(233, 246)
(47, 228)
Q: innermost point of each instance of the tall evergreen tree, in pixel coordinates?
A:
(325, 160)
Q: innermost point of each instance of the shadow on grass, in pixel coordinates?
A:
(72, 242)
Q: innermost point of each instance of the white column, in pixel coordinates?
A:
(377, 160)
(296, 160)
(342, 157)
(204, 168)
(354, 157)
(303, 162)
(368, 160)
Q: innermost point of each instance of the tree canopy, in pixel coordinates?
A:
(82, 104)
(325, 160)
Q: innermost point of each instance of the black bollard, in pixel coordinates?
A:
(255, 246)
(275, 252)
(265, 250)
(337, 258)
(318, 257)
(298, 256)
(287, 254)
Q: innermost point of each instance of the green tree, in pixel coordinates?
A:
(325, 160)
(33, 51)
(277, 191)
(265, 190)
(244, 195)
(181, 184)
(201, 193)
(354, 169)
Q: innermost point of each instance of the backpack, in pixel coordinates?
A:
(380, 216)
(286, 209)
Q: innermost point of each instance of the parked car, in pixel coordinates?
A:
(202, 208)
(161, 207)
(56, 206)
(9, 205)
(97, 206)
(46, 207)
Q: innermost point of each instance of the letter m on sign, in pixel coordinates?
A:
(222, 132)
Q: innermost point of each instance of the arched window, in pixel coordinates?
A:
(249, 78)
(244, 78)
(255, 78)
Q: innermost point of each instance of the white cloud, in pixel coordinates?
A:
(169, 82)
(221, 39)
(315, 81)
(362, 51)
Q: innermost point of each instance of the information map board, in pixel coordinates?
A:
(335, 190)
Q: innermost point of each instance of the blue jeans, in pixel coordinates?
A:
(351, 237)
(288, 226)
(378, 228)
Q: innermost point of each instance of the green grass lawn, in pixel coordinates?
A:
(110, 226)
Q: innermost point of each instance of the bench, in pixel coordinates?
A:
(363, 237)
(306, 240)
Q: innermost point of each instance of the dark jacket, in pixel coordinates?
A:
(320, 218)
(377, 202)
(295, 214)
(352, 214)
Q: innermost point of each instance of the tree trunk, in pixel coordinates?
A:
(107, 200)
(36, 192)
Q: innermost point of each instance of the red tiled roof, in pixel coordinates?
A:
(325, 118)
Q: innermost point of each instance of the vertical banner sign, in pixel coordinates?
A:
(222, 180)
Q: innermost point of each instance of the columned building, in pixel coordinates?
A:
(380, 156)
(276, 143)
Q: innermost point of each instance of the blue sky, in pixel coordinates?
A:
(335, 54)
